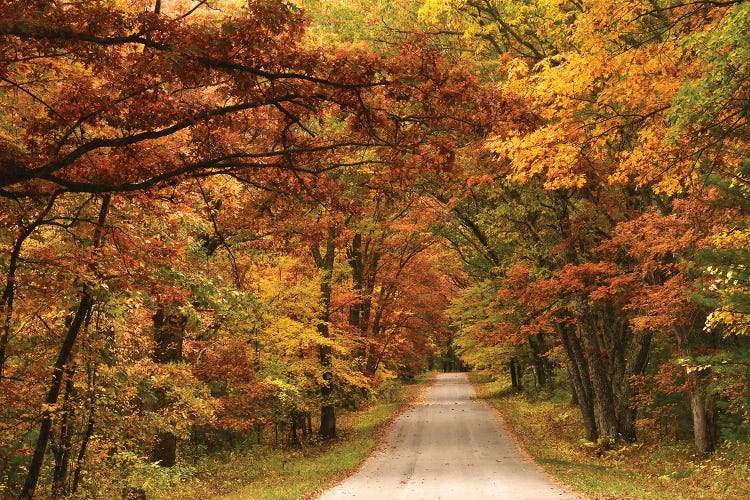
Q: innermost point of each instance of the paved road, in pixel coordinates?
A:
(448, 447)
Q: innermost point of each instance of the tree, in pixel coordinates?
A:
(82, 311)
(607, 148)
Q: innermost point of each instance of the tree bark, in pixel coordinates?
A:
(372, 351)
(293, 436)
(580, 380)
(61, 450)
(82, 451)
(354, 255)
(704, 433)
(599, 367)
(600, 381)
(363, 261)
(635, 364)
(514, 382)
(324, 262)
(542, 364)
(169, 331)
(63, 357)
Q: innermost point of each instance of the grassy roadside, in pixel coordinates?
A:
(550, 431)
(266, 472)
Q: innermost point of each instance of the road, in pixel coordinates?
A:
(448, 446)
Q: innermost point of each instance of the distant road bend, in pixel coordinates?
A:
(449, 447)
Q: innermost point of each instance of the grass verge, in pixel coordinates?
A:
(551, 432)
(266, 472)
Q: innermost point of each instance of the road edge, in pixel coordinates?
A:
(521, 448)
(379, 435)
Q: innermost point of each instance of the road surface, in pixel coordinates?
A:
(449, 446)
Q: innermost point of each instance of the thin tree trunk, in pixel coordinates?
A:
(703, 434)
(89, 431)
(303, 424)
(514, 382)
(542, 364)
(82, 452)
(354, 254)
(372, 353)
(259, 433)
(75, 327)
(293, 437)
(63, 447)
(637, 358)
(10, 281)
(363, 263)
(573, 388)
(357, 317)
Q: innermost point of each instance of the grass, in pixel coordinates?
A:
(266, 472)
(551, 432)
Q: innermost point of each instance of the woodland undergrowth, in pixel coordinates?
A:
(269, 472)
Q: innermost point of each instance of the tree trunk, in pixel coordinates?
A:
(293, 437)
(363, 262)
(327, 422)
(169, 331)
(62, 449)
(701, 434)
(635, 364)
(63, 357)
(576, 351)
(519, 376)
(82, 451)
(6, 303)
(354, 255)
(704, 433)
(327, 411)
(542, 364)
(372, 351)
(711, 415)
(600, 381)
(302, 424)
(600, 365)
(514, 382)
(580, 381)
(573, 389)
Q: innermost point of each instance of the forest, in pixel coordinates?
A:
(231, 220)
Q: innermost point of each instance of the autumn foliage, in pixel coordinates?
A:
(230, 220)
(599, 231)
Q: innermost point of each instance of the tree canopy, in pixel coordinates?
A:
(223, 215)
